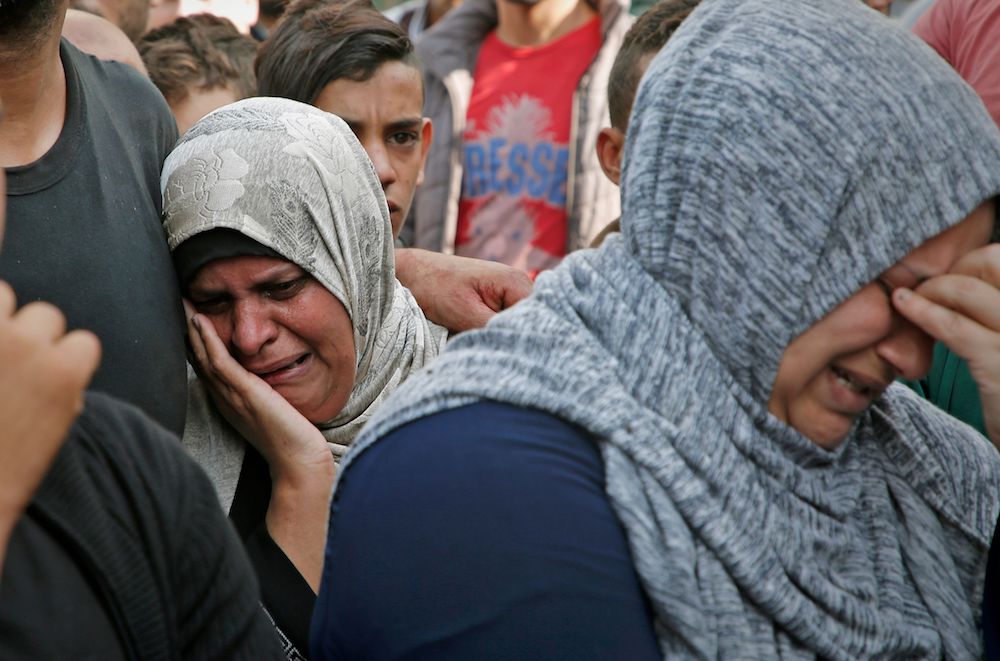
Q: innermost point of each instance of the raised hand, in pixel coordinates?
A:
(43, 373)
(301, 464)
(962, 309)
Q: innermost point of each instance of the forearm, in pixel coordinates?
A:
(297, 517)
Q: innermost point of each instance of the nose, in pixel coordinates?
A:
(380, 159)
(252, 328)
(907, 349)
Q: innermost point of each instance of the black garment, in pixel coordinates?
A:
(502, 548)
(132, 530)
(83, 232)
(284, 592)
(991, 602)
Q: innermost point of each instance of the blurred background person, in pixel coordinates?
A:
(512, 174)
(268, 15)
(129, 15)
(416, 16)
(101, 38)
(199, 63)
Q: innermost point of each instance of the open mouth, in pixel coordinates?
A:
(845, 379)
(284, 368)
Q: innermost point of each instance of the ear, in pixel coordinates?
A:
(426, 135)
(610, 143)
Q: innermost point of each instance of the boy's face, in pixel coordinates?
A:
(386, 114)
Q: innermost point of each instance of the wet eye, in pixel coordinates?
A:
(284, 290)
(209, 305)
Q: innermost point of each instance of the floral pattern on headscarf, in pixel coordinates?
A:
(295, 179)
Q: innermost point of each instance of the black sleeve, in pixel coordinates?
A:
(285, 593)
(209, 588)
(219, 610)
(479, 533)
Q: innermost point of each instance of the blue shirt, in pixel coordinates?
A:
(483, 532)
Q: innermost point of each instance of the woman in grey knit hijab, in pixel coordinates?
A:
(779, 497)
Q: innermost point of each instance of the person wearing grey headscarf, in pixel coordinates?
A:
(688, 443)
(281, 238)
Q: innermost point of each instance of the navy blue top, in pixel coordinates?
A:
(991, 601)
(479, 533)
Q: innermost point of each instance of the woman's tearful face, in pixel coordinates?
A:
(281, 324)
(830, 374)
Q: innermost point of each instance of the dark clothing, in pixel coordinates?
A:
(128, 554)
(991, 602)
(502, 548)
(83, 232)
(284, 592)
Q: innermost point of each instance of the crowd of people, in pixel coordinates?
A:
(500, 329)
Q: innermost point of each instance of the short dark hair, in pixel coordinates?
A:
(648, 35)
(200, 51)
(320, 41)
(26, 23)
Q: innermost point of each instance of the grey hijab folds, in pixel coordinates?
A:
(781, 154)
(295, 180)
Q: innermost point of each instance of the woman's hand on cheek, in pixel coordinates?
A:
(300, 462)
(291, 444)
(962, 310)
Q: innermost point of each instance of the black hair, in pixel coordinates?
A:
(320, 41)
(26, 23)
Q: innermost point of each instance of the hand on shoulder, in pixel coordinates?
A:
(459, 293)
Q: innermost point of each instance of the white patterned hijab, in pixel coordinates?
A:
(295, 179)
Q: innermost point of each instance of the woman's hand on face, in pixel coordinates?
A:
(962, 309)
(292, 446)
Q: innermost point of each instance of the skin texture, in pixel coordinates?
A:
(198, 103)
(45, 370)
(130, 16)
(537, 22)
(868, 341)
(33, 84)
(386, 114)
(459, 293)
(269, 313)
(162, 12)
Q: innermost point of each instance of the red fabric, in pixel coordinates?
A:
(967, 34)
(516, 151)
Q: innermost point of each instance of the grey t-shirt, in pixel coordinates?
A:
(84, 233)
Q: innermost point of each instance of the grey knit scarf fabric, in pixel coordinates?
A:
(781, 154)
(296, 180)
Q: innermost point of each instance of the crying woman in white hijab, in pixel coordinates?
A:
(298, 327)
